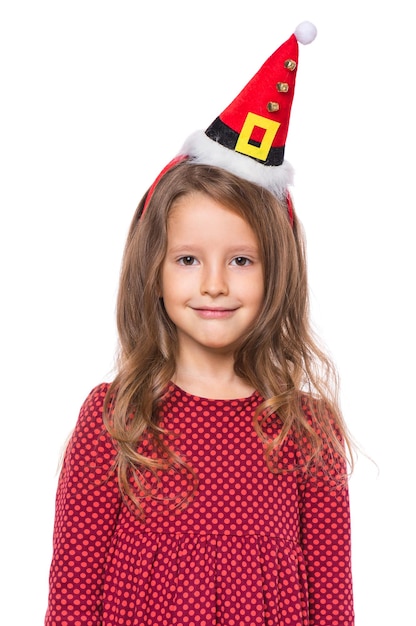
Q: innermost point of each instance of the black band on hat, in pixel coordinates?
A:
(224, 135)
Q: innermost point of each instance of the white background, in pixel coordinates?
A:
(96, 96)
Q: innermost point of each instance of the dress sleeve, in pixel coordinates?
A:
(326, 543)
(87, 507)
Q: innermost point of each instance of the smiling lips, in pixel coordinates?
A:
(214, 312)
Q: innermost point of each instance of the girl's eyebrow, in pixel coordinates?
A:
(245, 248)
(235, 249)
(181, 247)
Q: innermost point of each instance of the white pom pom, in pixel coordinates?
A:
(306, 32)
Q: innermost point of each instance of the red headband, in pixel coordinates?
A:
(179, 159)
(175, 161)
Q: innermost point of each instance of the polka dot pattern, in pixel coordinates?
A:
(252, 547)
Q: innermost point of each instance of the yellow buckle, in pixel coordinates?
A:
(262, 151)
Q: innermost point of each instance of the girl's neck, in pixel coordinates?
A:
(215, 378)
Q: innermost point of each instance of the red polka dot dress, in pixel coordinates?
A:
(252, 547)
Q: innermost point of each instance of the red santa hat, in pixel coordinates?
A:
(248, 138)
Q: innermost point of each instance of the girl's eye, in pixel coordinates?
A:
(241, 261)
(187, 260)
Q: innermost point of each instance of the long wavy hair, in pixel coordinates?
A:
(279, 356)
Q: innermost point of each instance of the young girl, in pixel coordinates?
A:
(207, 484)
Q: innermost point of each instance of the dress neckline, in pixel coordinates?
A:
(174, 387)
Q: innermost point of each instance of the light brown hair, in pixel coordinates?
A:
(279, 356)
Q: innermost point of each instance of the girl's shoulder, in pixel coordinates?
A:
(95, 399)
(89, 456)
(90, 418)
(318, 411)
(327, 444)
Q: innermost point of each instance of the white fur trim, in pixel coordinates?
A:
(201, 149)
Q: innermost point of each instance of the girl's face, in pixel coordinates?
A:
(212, 276)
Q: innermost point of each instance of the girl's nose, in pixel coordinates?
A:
(214, 281)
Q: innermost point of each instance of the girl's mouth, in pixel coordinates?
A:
(214, 312)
